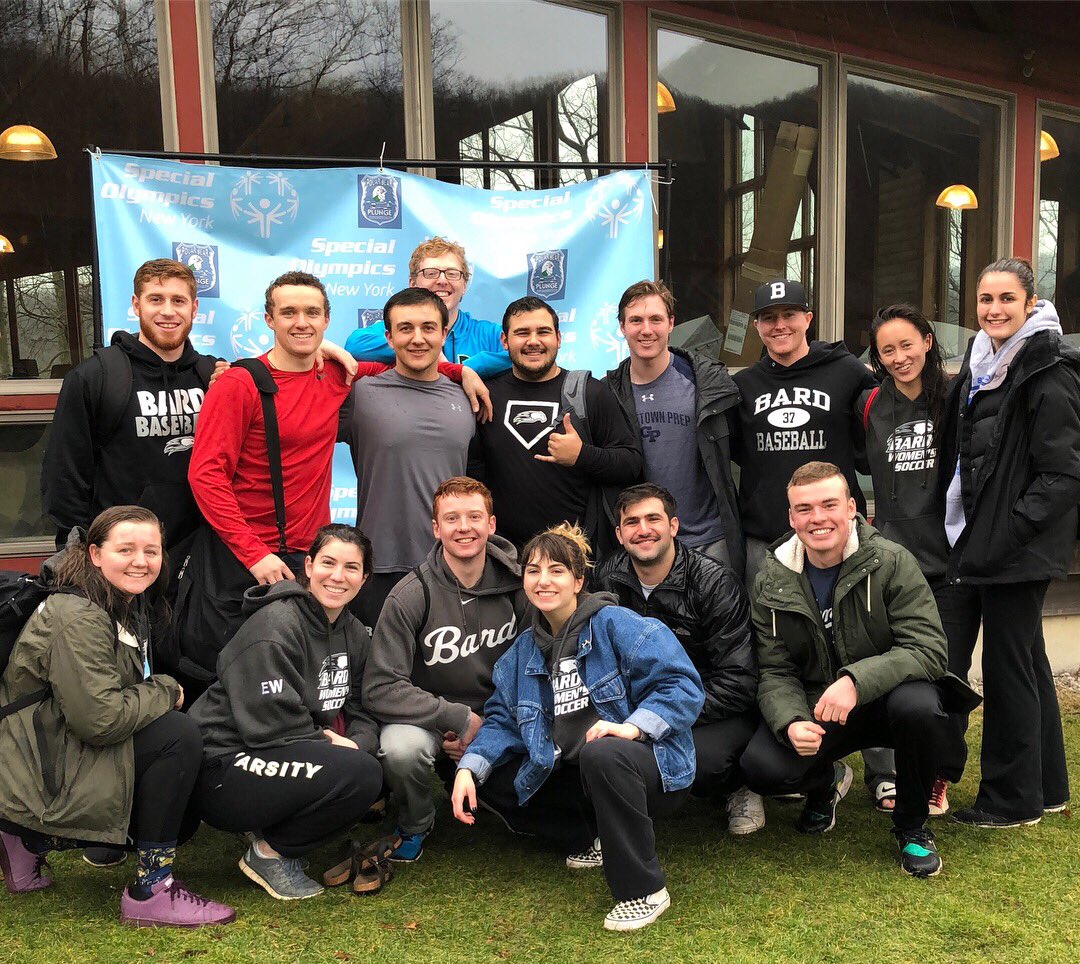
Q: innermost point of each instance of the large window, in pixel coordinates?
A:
(743, 129)
(1058, 253)
(319, 78)
(84, 72)
(519, 80)
(904, 147)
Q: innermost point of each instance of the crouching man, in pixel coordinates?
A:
(849, 646)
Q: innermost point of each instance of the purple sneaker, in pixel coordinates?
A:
(24, 871)
(171, 904)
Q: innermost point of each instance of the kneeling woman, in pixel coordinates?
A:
(274, 766)
(587, 736)
(117, 762)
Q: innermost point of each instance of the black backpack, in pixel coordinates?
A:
(116, 386)
(20, 595)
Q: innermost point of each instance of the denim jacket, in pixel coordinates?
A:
(636, 672)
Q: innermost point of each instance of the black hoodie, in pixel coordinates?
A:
(285, 676)
(791, 415)
(574, 711)
(909, 504)
(145, 462)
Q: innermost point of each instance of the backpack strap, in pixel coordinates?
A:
(267, 389)
(573, 401)
(866, 408)
(116, 385)
(27, 699)
(427, 596)
(204, 368)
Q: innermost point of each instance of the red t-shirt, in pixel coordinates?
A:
(229, 472)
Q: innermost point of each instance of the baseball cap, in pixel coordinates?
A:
(779, 292)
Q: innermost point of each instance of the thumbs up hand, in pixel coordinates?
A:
(563, 447)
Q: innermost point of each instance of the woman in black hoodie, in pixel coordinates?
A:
(275, 766)
(899, 418)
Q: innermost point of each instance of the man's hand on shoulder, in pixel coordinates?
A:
(479, 396)
(220, 367)
(837, 701)
(329, 351)
(270, 569)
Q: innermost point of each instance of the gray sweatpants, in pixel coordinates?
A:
(407, 754)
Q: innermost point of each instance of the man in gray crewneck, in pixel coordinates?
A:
(408, 429)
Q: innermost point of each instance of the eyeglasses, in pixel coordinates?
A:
(432, 274)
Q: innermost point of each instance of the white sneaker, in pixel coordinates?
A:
(746, 812)
(588, 859)
(629, 915)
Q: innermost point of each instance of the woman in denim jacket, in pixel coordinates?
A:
(587, 736)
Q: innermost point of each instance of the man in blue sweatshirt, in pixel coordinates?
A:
(440, 266)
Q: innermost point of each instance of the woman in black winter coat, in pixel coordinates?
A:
(1011, 465)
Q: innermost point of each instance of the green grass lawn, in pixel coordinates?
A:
(484, 895)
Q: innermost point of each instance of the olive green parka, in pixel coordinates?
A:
(67, 765)
(886, 628)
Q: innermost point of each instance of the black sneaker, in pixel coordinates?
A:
(918, 855)
(971, 817)
(102, 857)
(819, 812)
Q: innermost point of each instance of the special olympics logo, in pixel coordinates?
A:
(249, 336)
(604, 332)
(264, 198)
(615, 201)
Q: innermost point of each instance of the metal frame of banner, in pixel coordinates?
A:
(663, 168)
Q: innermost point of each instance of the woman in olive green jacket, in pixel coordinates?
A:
(99, 753)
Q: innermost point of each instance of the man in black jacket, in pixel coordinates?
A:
(680, 400)
(704, 604)
(141, 459)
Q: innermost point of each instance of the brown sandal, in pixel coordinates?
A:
(357, 858)
(371, 878)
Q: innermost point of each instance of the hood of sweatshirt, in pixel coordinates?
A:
(312, 615)
(589, 604)
(144, 355)
(820, 353)
(989, 366)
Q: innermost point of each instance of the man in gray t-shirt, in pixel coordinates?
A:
(408, 429)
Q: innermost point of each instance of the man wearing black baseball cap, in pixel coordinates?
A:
(797, 406)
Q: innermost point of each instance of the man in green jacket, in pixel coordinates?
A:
(849, 645)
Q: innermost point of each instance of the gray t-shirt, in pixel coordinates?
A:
(666, 413)
(406, 437)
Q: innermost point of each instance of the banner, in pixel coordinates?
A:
(577, 247)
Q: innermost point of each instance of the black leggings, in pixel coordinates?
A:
(167, 757)
(294, 796)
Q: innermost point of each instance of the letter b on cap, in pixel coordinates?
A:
(778, 290)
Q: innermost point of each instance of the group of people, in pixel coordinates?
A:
(557, 595)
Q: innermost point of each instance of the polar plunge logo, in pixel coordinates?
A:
(547, 274)
(203, 261)
(379, 201)
(264, 199)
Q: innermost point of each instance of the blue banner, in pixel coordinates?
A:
(577, 246)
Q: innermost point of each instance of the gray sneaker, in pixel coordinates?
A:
(280, 877)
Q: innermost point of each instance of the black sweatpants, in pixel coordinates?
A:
(1023, 750)
(909, 719)
(168, 753)
(618, 791)
(718, 747)
(294, 796)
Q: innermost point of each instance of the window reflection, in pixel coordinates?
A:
(22, 447)
(505, 90)
(309, 77)
(1058, 255)
(85, 72)
(743, 136)
(904, 145)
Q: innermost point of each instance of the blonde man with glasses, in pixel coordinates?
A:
(440, 266)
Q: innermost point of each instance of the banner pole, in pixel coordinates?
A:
(95, 280)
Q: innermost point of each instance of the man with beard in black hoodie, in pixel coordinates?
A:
(142, 457)
(438, 637)
(797, 406)
(106, 450)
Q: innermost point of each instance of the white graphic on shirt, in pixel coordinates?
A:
(529, 421)
(334, 682)
(446, 643)
(169, 414)
(571, 694)
(911, 447)
(788, 410)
